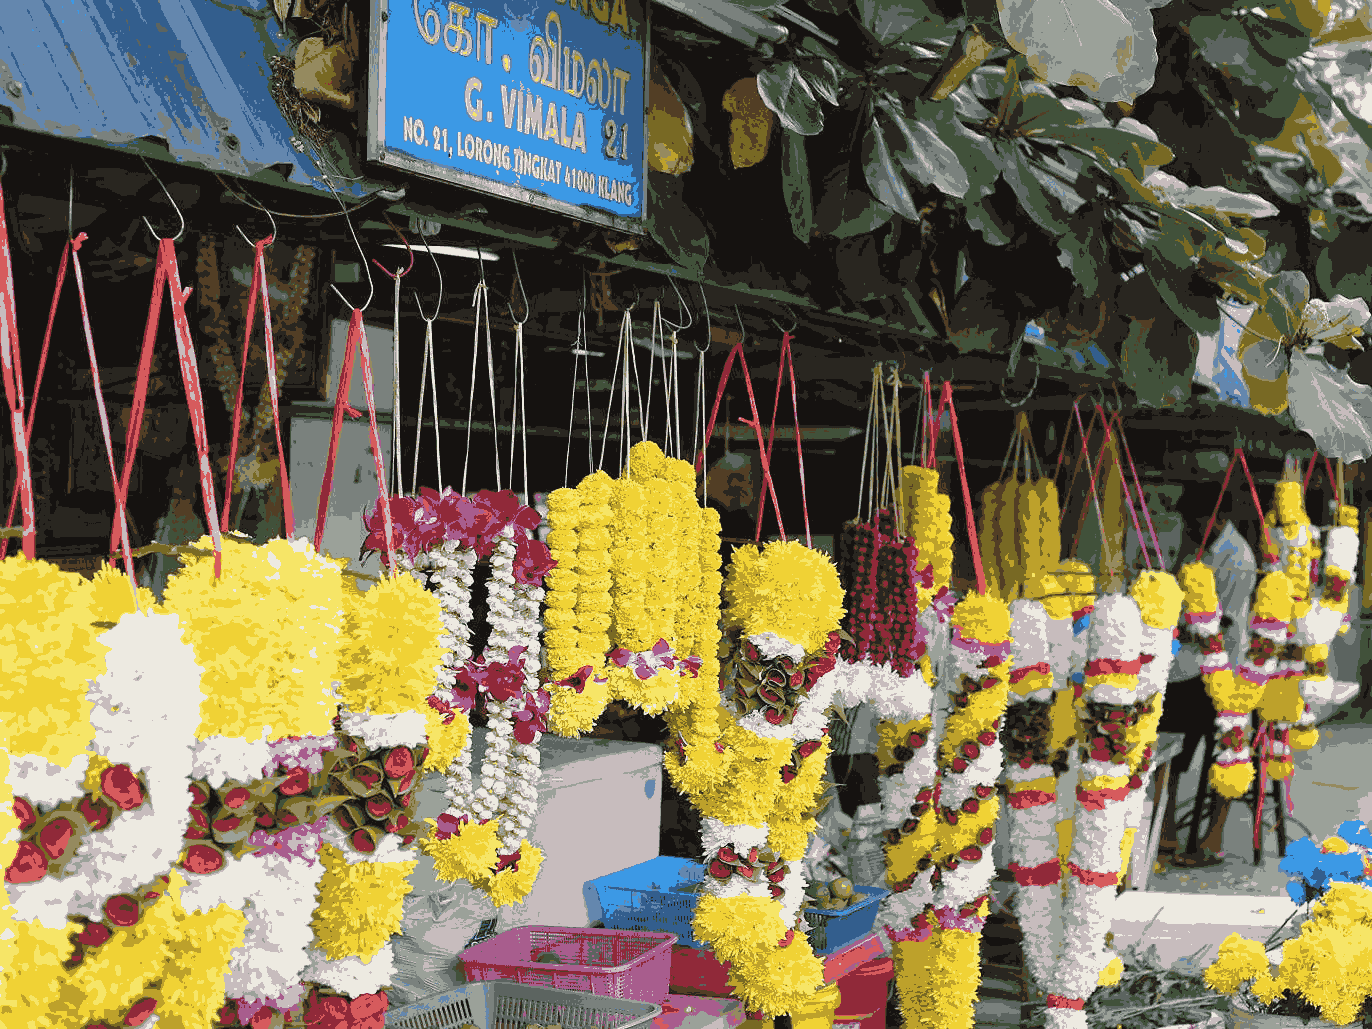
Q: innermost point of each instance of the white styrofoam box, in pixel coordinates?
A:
(354, 483)
(1181, 924)
(599, 810)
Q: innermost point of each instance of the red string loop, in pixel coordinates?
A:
(259, 288)
(1138, 485)
(756, 425)
(357, 343)
(1095, 471)
(10, 362)
(1128, 496)
(947, 399)
(786, 365)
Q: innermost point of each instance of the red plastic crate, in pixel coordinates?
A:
(605, 962)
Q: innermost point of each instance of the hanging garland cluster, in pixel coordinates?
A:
(631, 608)
(1267, 663)
(756, 774)
(1326, 618)
(937, 961)
(1020, 531)
(216, 766)
(1159, 598)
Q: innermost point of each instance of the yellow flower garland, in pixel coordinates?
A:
(360, 905)
(266, 633)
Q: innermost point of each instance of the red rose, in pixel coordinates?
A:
(94, 935)
(362, 842)
(198, 794)
(29, 864)
(328, 1013)
(369, 1004)
(95, 812)
(122, 910)
(203, 859)
(227, 825)
(55, 836)
(24, 811)
(378, 807)
(122, 786)
(297, 782)
(262, 1019)
(405, 783)
(228, 1014)
(141, 1011)
(236, 797)
(398, 762)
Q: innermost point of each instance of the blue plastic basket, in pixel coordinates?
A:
(657, 896)
(661, 895)
(833, 930)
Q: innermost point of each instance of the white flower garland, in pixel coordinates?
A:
(146, 707)
(352, 975)
(46, 785)
(1115, 635)
(270, 964)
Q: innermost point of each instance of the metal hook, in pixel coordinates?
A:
(438, 268)
(638, 295)
(795, 321)
(742, 332)
(685, 308)
(481, 266)
(371, 283)
(4, 162)
(524, 297)
(1033, 387)
(408, 249)
(709, 328)
(181, 231)
(270, 239)
(71, 194)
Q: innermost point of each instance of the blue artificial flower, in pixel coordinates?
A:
(1312, 870)
(1355, 832)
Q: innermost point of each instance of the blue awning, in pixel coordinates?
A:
(194, 73)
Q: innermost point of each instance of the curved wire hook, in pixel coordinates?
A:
(181, 231)
(524, 297)
(742, 332)
(4, 162)
(681, 302)
(270, 239)
(371, 283)
(438, 268)
(1033, 387)
(709, 328)
(795, 321)
(71, 198)
(408, 249)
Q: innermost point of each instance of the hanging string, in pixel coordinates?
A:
(519, 419)
(626, 341)
(580, 356)
(427, 376)
(481, 305)
(894, 458)
(1138, 485)
(614, 386)
(698, 440)
(1095, 498)
(397, 450)
(1128, 497)
(862, 510)
(947, 399)
(655, 335)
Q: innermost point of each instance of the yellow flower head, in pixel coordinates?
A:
(1290, 503)
(1273, 597)
(360, 906)
(646, 461)
(48, 649)
(983, 618)
(1334, 845)
(1239, 961)
(512, 885)
(1076, 577)
(111, 597)
(266, 633)
(786, 589)
(1159, 599)
(390, 648)
(1348, 516)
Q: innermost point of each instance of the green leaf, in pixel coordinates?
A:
(1158, 361)
(1226, 43)
(678, 230)
(820, 74)
(1108, 50)
(1039, 205)
(1287, 294)
(786, 92)
(1330, 407)
(1083, 250)
(882, 168)
(923, 153)
(892, 20)
(795, 184)
(1279, 40)
(1200, 314)
(844, 211)
(982, 216)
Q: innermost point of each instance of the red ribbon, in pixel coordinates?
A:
(1094, 800)
(786, 364)
(259, 286)
(1054, 1001)
(946, 398)
(10, 362)
(357, 345)
(1113, 666)
(1045, 874)
(1020, 673)
(1089, 878)
(1023, 799)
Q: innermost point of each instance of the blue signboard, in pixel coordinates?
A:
(540, 101)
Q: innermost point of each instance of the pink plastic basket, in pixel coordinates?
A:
(606, 962)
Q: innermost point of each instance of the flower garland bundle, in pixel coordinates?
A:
(1268, 665)
(1160, 599)
(638, 557)
(937, 956)
(1233, 695)
(1106, 715)
(1316, 628)
(783, 605)
(929, 522)
(1070, 647)
(1030, 778)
